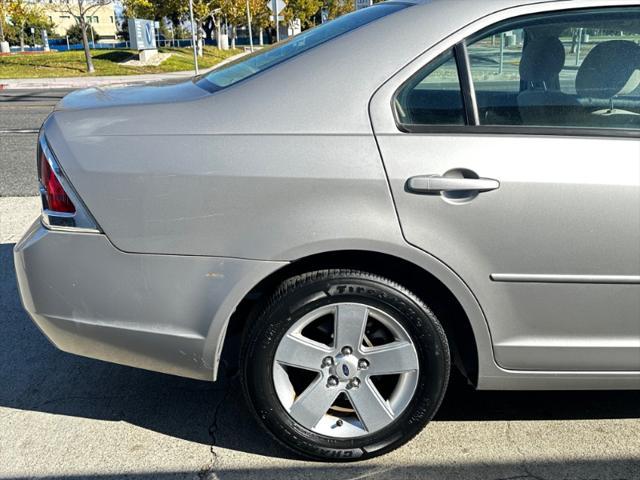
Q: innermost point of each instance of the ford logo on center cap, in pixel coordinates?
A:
(345, 370)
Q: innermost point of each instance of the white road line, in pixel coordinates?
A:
(17, 131)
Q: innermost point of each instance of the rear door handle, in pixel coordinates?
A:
(438, 184)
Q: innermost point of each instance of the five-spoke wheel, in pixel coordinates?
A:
(344, 365)
(366, 346)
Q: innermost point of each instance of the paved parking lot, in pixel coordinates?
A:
(66, 417)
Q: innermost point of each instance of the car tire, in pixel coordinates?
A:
(394, 320)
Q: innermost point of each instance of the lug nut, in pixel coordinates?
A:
(332, 381)
(327, 361)
(354, 383)
(339, 423)
(363, 364)
(347, 350)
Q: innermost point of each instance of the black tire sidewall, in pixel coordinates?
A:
(298, 298)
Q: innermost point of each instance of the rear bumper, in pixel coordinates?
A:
(165, 313)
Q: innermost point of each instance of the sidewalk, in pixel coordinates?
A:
(86, 82)
(99, 81)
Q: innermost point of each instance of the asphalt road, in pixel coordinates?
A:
(21, 114)
(69, 418)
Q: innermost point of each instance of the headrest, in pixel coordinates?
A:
(611, 68)
(542, 60)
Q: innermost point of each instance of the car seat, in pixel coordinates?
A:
(541, 102)
(610, 70)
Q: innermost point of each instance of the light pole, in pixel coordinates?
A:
(249, 24)
(193, 38)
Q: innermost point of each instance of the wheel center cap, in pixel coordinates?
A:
(346, 367)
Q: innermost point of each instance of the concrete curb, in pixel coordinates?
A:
(100, 81)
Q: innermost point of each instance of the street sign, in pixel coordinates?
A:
(363, 4)
(279, 4)
(142, 34)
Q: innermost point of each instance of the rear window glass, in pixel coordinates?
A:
(274, 54)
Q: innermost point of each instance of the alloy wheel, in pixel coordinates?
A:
(345, 370)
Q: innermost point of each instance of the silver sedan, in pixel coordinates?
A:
(410, 190)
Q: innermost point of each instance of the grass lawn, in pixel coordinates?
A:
(106, 62)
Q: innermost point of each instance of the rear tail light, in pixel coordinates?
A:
(54, 198)
(62, 209)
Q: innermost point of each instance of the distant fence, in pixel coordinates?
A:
(60, 44)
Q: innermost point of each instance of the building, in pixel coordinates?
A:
(103, 19)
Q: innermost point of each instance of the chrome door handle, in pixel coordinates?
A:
(439, 184)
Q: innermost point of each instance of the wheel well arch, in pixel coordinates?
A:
(422, 283)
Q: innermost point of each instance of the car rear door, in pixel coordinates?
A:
(541, 218)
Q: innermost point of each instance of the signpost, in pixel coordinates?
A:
(157, 25)
(276, 6)
(45, 40)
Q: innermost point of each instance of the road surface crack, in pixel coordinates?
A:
(208, 472)
(523, 462)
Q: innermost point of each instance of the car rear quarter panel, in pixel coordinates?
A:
(288, 153)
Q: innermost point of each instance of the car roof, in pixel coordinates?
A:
(327, 89)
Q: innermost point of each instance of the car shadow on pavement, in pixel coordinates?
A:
(35, 376)
(583, 468)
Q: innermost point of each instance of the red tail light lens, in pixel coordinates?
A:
(55, 196)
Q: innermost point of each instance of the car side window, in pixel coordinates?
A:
(433, 96)
(572, 69)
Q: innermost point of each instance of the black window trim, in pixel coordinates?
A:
(517, 130)
(469, 102)
(473, 125)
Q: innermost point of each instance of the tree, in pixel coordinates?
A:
(174, 10)
(338, 8)
(260, 14)
(75, 34)
(19, 13)
(305, 10)
(139, 9)
(235, 13)
(80, 10)
(4, 13)
(202, 11)
(25, 15)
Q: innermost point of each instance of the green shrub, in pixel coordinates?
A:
(75, 34)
